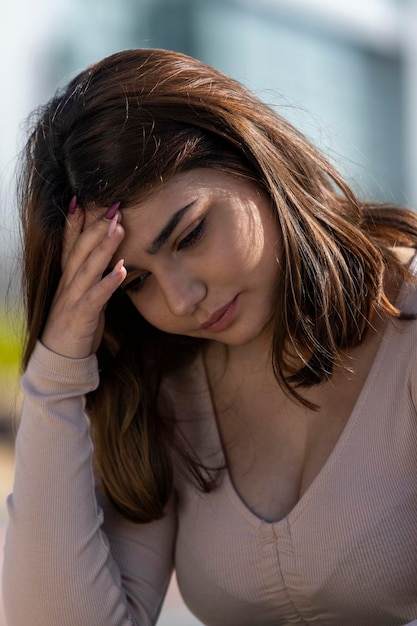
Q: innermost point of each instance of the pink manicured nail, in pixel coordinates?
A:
(111, 211)
(118, 267)
(72, 205)
(113, 226)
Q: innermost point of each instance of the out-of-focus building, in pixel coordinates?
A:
(344, 73)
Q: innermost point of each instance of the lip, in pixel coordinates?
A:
(222, 318)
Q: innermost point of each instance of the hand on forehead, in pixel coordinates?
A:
(94, 213)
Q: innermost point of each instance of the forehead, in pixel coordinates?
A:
(167, 195)
(199, 186)
(199, 180)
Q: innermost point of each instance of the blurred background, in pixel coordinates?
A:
(345, 73)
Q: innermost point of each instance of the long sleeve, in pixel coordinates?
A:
(70, 560)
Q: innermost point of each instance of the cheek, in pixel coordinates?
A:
(250, 241)
(151, 305)
(250, 253)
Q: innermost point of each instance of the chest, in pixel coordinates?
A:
(274, 447)
(351, 538)
(346, 553)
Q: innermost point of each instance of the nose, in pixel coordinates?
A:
(182, 292)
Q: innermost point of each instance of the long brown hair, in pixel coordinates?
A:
(120, 128)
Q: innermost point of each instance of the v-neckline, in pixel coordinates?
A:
(351, 422)
(337, 450)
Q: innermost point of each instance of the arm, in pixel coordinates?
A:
(68, 560)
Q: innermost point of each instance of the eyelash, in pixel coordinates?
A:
(189, 240)
(136, 284)
(193, 237)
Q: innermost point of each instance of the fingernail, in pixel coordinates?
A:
(111, 212)
(72, 205)
(117, 267)
(113, 226)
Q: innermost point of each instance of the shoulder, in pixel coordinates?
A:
(400, 354)
(407, 298)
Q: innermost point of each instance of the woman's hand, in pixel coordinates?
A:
(76, 319)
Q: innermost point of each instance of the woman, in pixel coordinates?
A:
(208, 299)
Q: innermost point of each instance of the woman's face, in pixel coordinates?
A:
(201, 255)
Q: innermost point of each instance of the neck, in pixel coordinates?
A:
(252, 358)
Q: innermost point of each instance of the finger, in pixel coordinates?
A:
(73, 229)
(99, 240)
(96, 298)
(74, 318)
(84, 271)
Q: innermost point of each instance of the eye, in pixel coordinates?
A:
(136, 284)
(194, 236)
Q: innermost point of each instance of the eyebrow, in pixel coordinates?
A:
(167, 230)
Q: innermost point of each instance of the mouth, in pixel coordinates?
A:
(222, 318)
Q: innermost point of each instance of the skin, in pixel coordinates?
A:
(76, 319)
(274, 458)
(224, 249)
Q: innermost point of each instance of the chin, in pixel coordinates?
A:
(261, 332)
(244, 338)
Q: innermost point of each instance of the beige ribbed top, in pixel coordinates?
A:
(346, 555)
